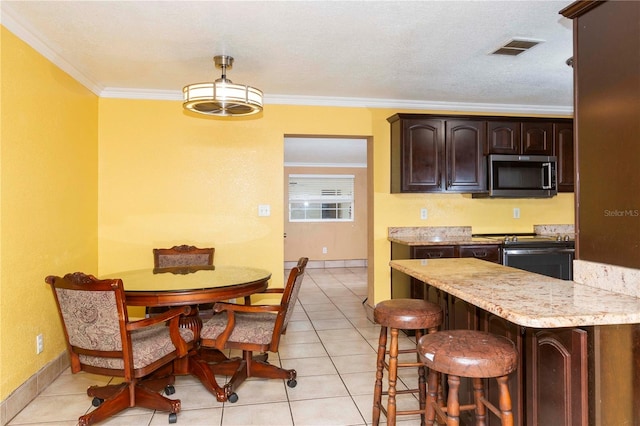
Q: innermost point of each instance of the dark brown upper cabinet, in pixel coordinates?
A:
(520, 137)
(437, 154)
(563, 148)
(503, 137)
(447, 153)
(417, 155)
(537, 138)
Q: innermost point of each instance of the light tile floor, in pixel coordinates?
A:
(330, 342)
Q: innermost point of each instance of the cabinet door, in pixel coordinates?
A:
(557, 386)
(563, 149)
(494, 324)
(503, 137)
(462, 315)
(422, 155)
(465, 161)
(537, 138)
(488, 252)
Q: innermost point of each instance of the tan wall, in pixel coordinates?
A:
(343, 240)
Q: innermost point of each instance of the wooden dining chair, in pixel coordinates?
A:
(182, 256)
(252, 328)
(101, 340)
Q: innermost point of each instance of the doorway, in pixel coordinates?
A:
(324, 218)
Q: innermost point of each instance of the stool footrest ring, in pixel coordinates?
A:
(403, 391)
(404, 364)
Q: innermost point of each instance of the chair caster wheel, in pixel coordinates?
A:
(292, 383)
(169, 390)
(232, 398)
(96, 402)
(173, 418)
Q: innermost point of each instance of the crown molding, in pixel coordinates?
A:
(169, 95)
(33, 38)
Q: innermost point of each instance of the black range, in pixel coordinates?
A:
(550, 255)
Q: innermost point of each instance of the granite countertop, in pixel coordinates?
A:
(521, 297)
(436, 235)
(457, 235)
(438, 241)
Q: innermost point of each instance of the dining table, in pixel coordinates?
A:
(191, 286)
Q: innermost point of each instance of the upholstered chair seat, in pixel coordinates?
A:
(101, 340)
(252, 328)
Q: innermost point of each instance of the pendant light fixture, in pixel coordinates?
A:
(222, 97)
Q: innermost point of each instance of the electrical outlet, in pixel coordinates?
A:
(264, 210)
(324, 250)
(516, 213)
(423, 214)
(39, 344)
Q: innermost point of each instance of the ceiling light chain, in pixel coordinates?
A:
(222, 97)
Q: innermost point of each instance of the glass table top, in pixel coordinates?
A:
(188, 278)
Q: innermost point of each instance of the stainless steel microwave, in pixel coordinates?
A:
(522, 176)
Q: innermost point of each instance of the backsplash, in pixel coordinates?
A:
(607, 277)
(554, 229)
(430, 232)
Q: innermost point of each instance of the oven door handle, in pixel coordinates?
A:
(510, 251)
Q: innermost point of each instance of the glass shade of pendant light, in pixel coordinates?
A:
(222, 97)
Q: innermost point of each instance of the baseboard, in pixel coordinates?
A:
(322, 264)
(26, 392)
(368, 310)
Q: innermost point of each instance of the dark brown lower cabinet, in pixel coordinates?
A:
(496, 325)
(557, 387)
(551, 385)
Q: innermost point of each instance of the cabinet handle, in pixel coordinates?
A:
(434, 255)
(479, 254)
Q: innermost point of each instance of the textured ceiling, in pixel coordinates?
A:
(422, 54)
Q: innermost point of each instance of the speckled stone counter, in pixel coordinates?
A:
(435, 235)
(459, 240)
(521, 297)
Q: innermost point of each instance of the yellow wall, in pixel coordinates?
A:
(167, 177)
(48, 202)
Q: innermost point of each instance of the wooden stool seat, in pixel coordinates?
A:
(466, 353)
(407, 314)
(395, 315)
(469, 353)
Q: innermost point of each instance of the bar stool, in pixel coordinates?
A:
(467, 353)
(401, 314)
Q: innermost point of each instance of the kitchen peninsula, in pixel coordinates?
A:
(561, 379)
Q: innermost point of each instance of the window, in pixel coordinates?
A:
(320, 198)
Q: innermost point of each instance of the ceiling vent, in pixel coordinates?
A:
(516, 47)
